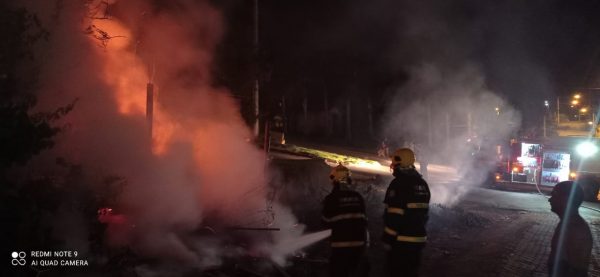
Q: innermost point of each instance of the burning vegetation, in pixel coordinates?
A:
(161, 153)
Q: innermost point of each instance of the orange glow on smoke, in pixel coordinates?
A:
(163, 133)
(200, 117)
(197, 162)
(122, 69)
(127, 74)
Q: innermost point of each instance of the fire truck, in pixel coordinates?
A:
(519, 162)
(545, 163)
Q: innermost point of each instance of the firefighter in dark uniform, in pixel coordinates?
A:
(344, 214)
(405, 216)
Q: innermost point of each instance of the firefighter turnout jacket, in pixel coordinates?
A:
(344, 214)
(406, 209)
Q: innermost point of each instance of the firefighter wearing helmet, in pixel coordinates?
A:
(344, 213)
(405, 215)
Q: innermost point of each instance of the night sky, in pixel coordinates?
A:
(528, 51)
(145, 107)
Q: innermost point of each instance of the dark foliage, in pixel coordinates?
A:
(23, 135)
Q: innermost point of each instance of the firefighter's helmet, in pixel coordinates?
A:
(340, 174)
(403, 157)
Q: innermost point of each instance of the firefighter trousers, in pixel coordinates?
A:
(348, 262)
(404, 260)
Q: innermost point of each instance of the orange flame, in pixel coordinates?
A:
(205, 119)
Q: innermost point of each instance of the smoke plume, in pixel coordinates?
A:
(197, 163)
(447, 109)
(456, 121)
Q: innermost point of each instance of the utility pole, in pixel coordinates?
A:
(545, 126)
(557, 112)
(326, 112)
(305, 106)
(448, 130)
(469, 124)
(256, 88)
(150, 107)
(348, 121)
(429, 127)
(284, 115)
(370, 116)
(267, 139)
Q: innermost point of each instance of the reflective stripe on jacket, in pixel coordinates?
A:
(344, 213)
(406, 209)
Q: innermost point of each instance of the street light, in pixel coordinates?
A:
(575, 102)
(577, 96)
(583, 110)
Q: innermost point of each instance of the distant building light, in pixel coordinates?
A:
(583, 110)
(577, 96)
(590, 123)
(575, 102)
(546, 103)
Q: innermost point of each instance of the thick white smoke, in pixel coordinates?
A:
(446, 106)
(198, 162)
(454, 120)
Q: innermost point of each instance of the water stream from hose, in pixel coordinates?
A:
(287, 247)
